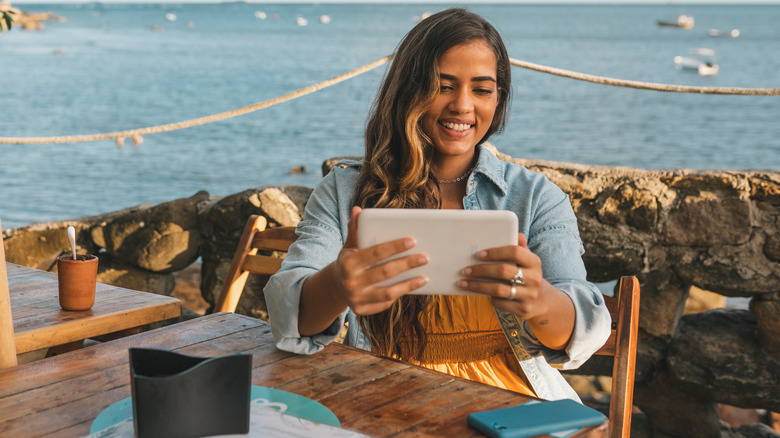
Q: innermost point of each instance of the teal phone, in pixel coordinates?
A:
(535, 418)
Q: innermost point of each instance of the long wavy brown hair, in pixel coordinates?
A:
(396, 171)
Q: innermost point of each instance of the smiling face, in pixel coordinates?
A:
(463, 109)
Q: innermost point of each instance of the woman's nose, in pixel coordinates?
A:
(462, 101)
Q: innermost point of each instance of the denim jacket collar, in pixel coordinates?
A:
(493, 168)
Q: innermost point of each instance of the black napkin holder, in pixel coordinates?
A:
(179, 396)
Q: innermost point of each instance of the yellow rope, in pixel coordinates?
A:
(645, 85)
(370, 66)
(201, 120)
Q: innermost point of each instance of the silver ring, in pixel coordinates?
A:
(512, 292)
(518, 279)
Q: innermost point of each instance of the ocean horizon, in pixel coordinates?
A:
(119, 66)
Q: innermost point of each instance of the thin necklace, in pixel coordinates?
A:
(458, 179)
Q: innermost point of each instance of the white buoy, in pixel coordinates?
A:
(302, 21)
(260, 15)
(324, 19)
(170, 16)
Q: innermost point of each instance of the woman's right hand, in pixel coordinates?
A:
(352, 281)
(356, 272)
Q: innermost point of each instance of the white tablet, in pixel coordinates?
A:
(450, 239)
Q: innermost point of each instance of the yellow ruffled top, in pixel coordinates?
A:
(465, 340)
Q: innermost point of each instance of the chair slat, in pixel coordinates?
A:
(249, 258)
(608, 349)
(261, 264)
(263, 243)
(275, 239)
(622, 395)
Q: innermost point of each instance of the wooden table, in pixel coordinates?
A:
(40, 323)
(380, 397)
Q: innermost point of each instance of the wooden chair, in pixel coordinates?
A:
(622, 345)
(252, 256)
(7, 343)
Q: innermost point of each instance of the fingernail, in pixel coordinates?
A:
(466, 271)
(422, 260)
(409, 243)
(422, 282)
(482, 254)
(463, 284)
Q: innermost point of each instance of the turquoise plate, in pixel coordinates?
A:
(296, 405)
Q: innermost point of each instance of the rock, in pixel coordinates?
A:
(675, 413)
(114, 271)
(708, 221)
(164, 238)
(764, 186)
(750, 430)
(327, 165)
(38, 245)
(660, 314)
(772, 248)
(631, 206)
(766, 308)
(709, 343)
(277, 206)
(224, 222)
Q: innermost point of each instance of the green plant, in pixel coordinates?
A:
(6, 19)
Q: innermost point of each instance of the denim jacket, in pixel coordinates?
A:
(545, 217)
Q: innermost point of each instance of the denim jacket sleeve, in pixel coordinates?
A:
(548, 221)
(558, 244)
(321, 235)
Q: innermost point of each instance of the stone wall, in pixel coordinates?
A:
(676, 229)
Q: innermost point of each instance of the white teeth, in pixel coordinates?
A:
(456, 126)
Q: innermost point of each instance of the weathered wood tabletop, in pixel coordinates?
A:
(62, 395)
(39, 322)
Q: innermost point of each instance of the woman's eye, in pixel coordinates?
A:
(445, 88)
(484, 91)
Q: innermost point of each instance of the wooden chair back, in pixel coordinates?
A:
(7, 343)
(622, 345)
(253, 257)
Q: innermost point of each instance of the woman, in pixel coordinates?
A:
(445, 93)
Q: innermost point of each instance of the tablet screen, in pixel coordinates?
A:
(450, 239)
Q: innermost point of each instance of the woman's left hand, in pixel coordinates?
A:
(548, 310)
(503, 264)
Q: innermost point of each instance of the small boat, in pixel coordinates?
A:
(324, 19)
(733, 33)
(170, 16)
(260, 15)
(682, 21)
(302, 21)
(701, 61)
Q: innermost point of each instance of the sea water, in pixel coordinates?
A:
(112, 67)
